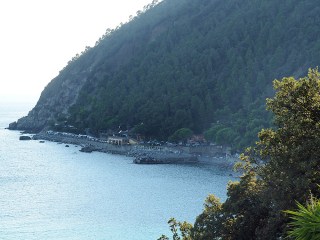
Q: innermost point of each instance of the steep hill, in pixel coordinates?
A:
(198, 64)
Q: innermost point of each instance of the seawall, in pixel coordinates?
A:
(142, 154)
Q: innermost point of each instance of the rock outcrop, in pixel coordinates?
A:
(55, 101)
(24, 138)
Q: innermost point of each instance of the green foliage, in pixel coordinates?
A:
(244, 209)
(180, 230)
(282, 168)
(305, 224)
(291, 151)
(226, 136)
(286, 159)
(223, 135)
(191, 63)
(163, 237)
(182, 134)
(210, 134)
(208, 224)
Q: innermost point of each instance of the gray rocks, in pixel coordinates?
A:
(13, 126)
(160, 155)
(165, 160)
(24, 138)
(141, 154)
(147, 160)
(55, 101)
(87, 149)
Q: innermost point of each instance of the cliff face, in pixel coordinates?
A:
(54, 102)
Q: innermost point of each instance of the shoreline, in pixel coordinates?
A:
(143, 154)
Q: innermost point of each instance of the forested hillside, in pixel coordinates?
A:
(206, 65)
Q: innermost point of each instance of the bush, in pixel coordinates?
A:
(305, 223)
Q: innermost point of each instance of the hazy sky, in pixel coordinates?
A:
(39, 37)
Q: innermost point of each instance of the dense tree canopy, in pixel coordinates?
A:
(195, 64)
(281, 169)
(182, 134)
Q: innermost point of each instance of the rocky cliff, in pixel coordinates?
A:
(54, 102)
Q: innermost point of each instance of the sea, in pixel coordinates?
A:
(50, 191)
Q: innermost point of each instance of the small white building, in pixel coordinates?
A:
(118, 140)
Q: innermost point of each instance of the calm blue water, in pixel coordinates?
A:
(48, 191)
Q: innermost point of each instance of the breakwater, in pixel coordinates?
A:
(141, 154)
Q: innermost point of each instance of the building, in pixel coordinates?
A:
(115, 140)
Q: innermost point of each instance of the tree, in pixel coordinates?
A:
(182, 134)
(279, 170)
(291, 152)
(225, 136)
(180, 230)
(210, 134)
(286, 159)
(208, 224)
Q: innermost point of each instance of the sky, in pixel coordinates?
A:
(39, 37)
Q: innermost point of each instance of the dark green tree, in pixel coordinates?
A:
(182, 134)
(279, 170)
(286, 158)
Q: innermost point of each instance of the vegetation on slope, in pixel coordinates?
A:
(203, 65)
(281, 169)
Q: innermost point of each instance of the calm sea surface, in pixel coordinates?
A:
(48, 191)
